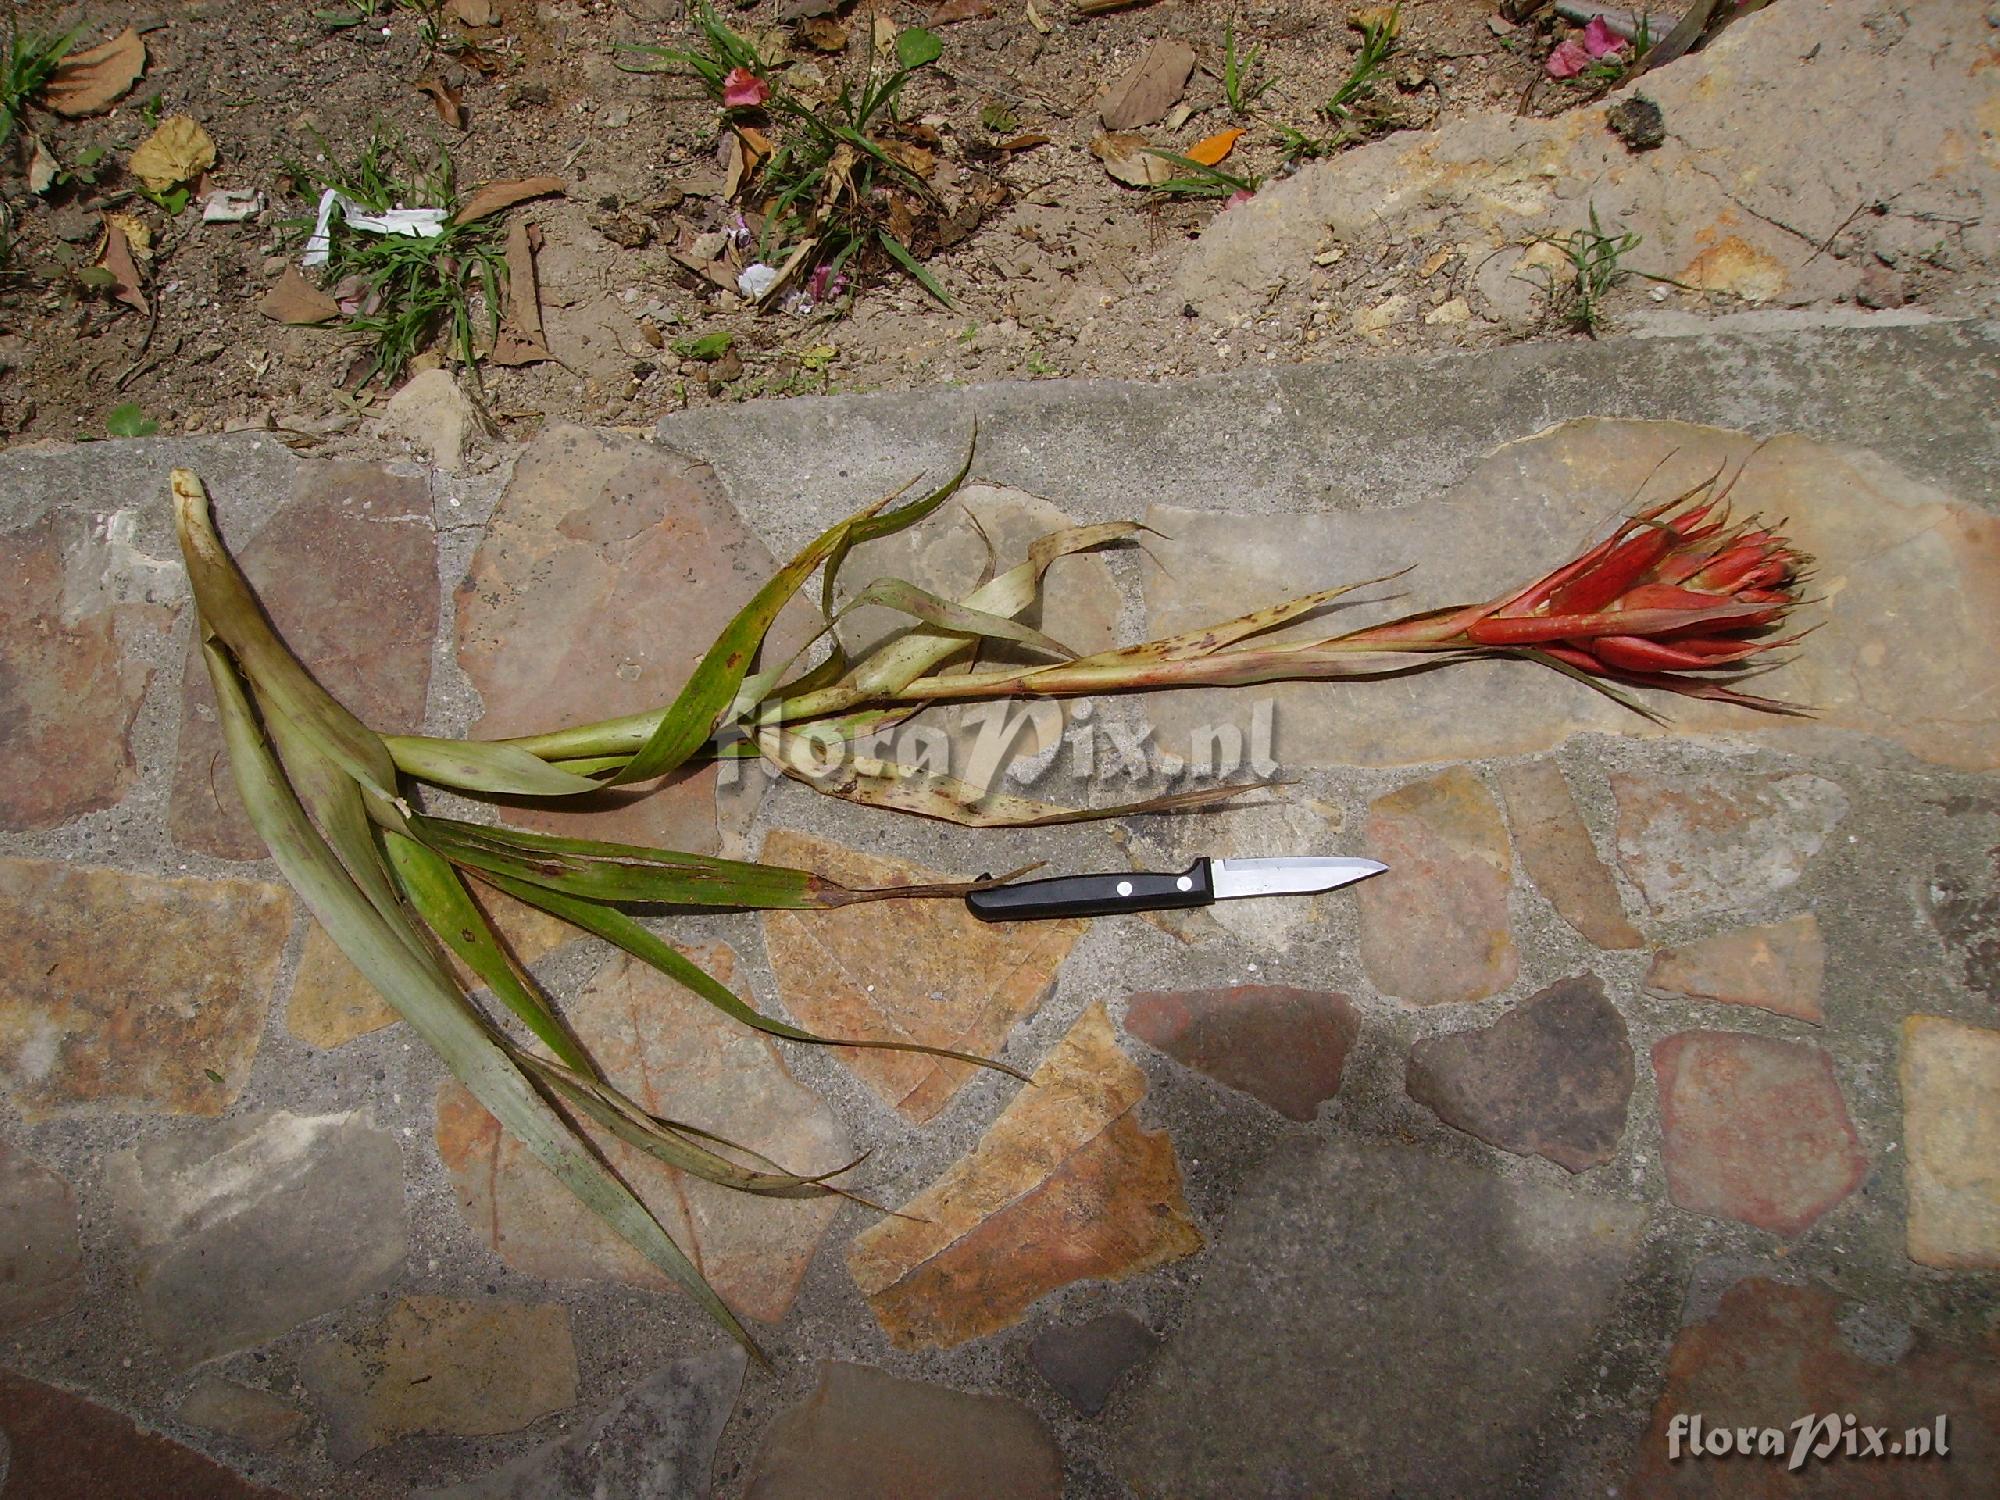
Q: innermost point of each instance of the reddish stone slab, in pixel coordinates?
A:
(1755, 1129)
(608, 569)
(1780, 968)
(866, 1435)
(41, 1258)
(68, 689)
(1434, 928)
(1771, 1354)
(1282, 1045)
(1550, 1078)
(62, 1447)
(1559, 856)
(347, 570)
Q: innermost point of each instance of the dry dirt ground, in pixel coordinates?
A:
(1066, 271)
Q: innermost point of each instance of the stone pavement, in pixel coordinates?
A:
(1659, 1080)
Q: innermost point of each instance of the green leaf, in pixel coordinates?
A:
(917, 48)
(489, 766)
(707, 348)
(129, 421)
(615, 926)
(433, 1007)
(906, 597)
(900, 253)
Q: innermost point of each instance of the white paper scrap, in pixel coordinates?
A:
(417, 223)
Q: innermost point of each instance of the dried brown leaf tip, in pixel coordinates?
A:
(93, 80)
(495, 196)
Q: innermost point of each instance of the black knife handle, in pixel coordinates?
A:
(1093, 895)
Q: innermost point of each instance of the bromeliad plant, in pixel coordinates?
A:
(1680, 599)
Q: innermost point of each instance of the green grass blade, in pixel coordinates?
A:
(223, 596)
(439, 895)
(433, 1007)
(615, 926)
(488, 766)
(899, 253)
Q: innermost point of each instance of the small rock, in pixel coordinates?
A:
(41, 1257)
(1375, 319)
(438, 1365)
(1755, 1129)
(1282, 1045)
(1638, 122)
(1550, 1078)
(1449, 314)
(864, 1433)
(1560, 858)
(1951, 1129)
(433, 415)
(628, 231)
(1880, 288)
(1084, 1361)
(1779, 968)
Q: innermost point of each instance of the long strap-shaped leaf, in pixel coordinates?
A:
(232, 612)
(491, 766)
(615, 926)
(441, 1016)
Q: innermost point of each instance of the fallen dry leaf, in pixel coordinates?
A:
(1387, 19)
(1026, 142)
(179, 151)
(96, 78)
(295, 300)
(495, 196)
(886, 31)
(137, 235)
(1150, 88)
(914, 159)
(124, 268)
(472, 12)
(42, 167)
(749, 149)
(448, 102)
(1099, 7)
(1036, 20)
(520, 341)
(824, 33)
(1212, 150)
(1129, 158)
(1065, 1185)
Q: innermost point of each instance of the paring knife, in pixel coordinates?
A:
(1203, 881)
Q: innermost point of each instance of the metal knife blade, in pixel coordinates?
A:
(1200, 883)
(1287, 875)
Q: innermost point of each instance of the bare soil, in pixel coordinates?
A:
(1066, 271)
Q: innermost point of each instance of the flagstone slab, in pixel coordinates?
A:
(125, 993)
(680, 1058)
(56, 1444)
(442, 1365)
(242, 1229)
(1282, 1045)
(346, 568)
(1755, 1128)
(1965, 910)
(1773, 1355)
(1085, 1361)
(70, 687)
(1951, 1133)
(656, 1442)
(1780, 968)
(1065, 1185)
(1551, 1078)
(953, 981)
(1699, 843)
(608, 568)
(866, 1435)
(1557, 852)
(41, 1257)
(1447, 1306)
(1434, 928)
(1885, 680)
(241, 1412)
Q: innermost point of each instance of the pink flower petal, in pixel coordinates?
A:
(1568, 60)
(1599, 40)
(1241, 195)
(743, 89)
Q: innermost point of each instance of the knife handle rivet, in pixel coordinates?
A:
(1124, 887)
(1185, 883)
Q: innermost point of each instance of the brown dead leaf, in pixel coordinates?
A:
(137, 235)
(42, 167)
(295, 300)
(495, 196)
(1066, 1185)
(1036, 20)
(448, 102)
(1212, 150)
(952, 11)
(179, 151)
(472, 12)
(1099, 7)
(1129, 158)
(1150, 88)
(913, 159)
(807, 10)
(886, 31)
(749, 149)
(521, 341)
(1387, 19)
(96, 78)
(118, 260)
(824, 33)
(1027, 142)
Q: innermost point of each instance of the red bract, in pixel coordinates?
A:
(743, 89)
